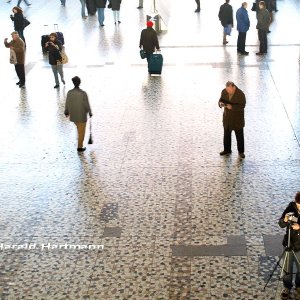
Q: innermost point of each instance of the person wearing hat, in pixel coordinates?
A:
(234, 101)
(149, 40)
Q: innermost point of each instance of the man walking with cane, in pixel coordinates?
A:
(77, 107)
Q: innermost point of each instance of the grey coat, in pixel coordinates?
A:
(77, 105)
(263, 20)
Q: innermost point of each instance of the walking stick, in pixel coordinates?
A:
(91, 137)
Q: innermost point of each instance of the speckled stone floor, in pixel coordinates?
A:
(156, 212)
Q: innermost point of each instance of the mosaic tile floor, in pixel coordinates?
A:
(150, 210)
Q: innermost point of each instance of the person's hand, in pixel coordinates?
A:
(91, 115)
(228, 106)
(5, 40)
(286, 218)
(296, 226)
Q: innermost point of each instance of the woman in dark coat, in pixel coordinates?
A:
(18, 20)
(115, 5)
(54, 47)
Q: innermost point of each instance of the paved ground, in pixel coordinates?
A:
(176, 220)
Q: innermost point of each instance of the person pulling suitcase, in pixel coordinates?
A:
(149, 42)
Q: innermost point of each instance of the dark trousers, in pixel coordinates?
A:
(148, 56)
(239, 139)
(198, 4)
(263, 43)
(20, 70)
(241, 42)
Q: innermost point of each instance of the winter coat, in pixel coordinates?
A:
(100, 3)
(242, 20)
(149, 40)
(18, 20)
(19, 47)
(263, 20)
(77, 105)
(226, 14)
(54, 52)
(295, 234)
(233, 119)
(115, 4)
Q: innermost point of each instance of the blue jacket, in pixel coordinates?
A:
(242, 19)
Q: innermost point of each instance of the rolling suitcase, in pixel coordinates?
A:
(44, 39)
(155, 63)
(60, 35)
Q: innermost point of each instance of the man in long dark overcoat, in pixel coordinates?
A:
(234, 101)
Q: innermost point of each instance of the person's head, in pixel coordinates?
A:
(76, 81)
(230, 87)
(149, 24)
(227, 1)
(15, 35)
(262, 5)
(297, 198)
(53, 37)
(17, 9)
(244, 4)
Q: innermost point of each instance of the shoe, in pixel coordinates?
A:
(63, 81)
(244, 53)
(21, 85)
(18, 83)
(102, 25)
(269, 31)
(81, 149)
(225, 153)
(285, 294)
(119, 22)
(226, 42)
(259, 53)
(197, 10)
(56, 86)
(115, 23)
(139, 7)
(29, 4)
(242, 155)
(84, 17)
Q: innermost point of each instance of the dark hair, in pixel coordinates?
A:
(18, 9)
(76, 81)
(262, 3)
(297, 197)
(229, 83)
(53, 34)
(227, 1)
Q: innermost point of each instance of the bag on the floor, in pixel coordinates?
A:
(25, 23)
(254, 6)
(155, 63)
(13, 57)
(142, 53)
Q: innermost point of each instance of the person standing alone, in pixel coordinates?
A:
(18, 46)
(263, 22)
(234, 101)
(243, 24)
(77, 107)
(226, 18)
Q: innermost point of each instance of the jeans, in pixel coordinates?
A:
(239, 139)
(19, 2)
(288, 270)
(20, 70)
(263, 42)
(116, 14)
(100, 12)
(83, 4)
(241, 42)
(81, 133)
(57, 69)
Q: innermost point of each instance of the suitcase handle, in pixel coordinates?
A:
(55, 27)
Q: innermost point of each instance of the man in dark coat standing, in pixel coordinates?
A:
(234, 101)
(149, 40)
(226, 18)
(243, 24)
(263, 22)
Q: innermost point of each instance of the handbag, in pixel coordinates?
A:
(13, 57)
(142, 53)
(25, 23)
(227, 29)
(64, 57)
(254, 6)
